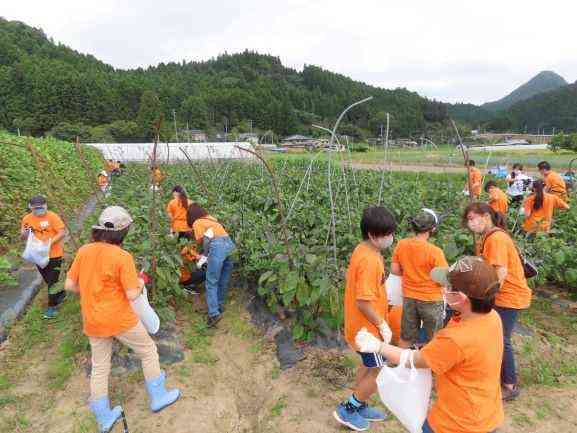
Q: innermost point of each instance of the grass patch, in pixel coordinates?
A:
(4, 383)
(197, 338)
(278, 407)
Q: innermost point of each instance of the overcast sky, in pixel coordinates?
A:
(455, 51)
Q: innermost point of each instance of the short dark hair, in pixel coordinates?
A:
(193, 213)
(490, 184)
(471, 163)
(482, 306)
(377, 221)
(544, 165)
(110, 236)
(518, 165)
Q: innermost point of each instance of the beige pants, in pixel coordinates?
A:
(138, 340)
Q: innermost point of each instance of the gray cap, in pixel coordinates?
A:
(113, 218)
(37, 201)
(426, 219)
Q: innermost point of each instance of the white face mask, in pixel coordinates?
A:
(382, 243)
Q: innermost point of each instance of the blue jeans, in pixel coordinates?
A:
(218, 273)
(427, 428)
(509, 318)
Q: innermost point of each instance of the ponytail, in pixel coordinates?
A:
(182, 196)
(538, 187)
(479, 208)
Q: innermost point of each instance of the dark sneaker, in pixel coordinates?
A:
(509, 394)
(190, 290)
(50, 313)
(371, 414)
(349, 416)
(213, 320)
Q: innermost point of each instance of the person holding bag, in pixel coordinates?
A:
(465, 356)
(104, 275)
(499, 249)
(47, 227)
(217, 248)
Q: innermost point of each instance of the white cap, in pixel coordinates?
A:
(113, 218)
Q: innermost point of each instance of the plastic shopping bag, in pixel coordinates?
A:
(36, 251)
(394, 287)
(406, 392)
(146, 314)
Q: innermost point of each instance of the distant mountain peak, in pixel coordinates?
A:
(544, 81)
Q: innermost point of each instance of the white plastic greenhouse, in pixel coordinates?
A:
(172, 152)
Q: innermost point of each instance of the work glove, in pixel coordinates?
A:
(201, 261)
(386, 332)
(367, 342)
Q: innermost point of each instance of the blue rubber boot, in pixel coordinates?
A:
(104, 415)
(159, 396)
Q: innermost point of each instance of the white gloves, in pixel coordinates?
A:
(386, 332)
(201, 261)
(209, 233)
(367, 342)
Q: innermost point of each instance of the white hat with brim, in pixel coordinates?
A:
(114, 218)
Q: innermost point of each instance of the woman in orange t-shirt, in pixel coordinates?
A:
(499, 249)
(217, 248)
(104, 275)
(465, 356)
(498, 200)
(539, 209)
(176, 209)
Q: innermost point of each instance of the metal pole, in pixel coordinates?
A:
(175, 130)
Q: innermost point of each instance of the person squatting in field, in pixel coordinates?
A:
(465, 356)
(413, 259)
(217, 247)
(554, 183)
(104, 275)
(48, 227)
(366, 306)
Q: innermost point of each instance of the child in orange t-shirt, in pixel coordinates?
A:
(365, 306)
(47, 226)
(465, 356)
(413, 259)
(476, 180)
(498, 200)
(176, 210)
(104, 275)
(539, 209)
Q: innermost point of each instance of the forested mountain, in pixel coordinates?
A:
(47, 87)
(543, 82)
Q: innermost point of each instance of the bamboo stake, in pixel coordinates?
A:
(153, 213)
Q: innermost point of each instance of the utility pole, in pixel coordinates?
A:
(175, 130)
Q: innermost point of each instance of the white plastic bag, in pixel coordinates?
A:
(394, 288)
(406, 392)
(36, 251)
(146, 314)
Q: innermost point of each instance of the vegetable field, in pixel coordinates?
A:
(291, 251)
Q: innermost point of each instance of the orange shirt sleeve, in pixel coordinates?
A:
(24, 222)
(529, 205)
(128, 274)
(198, 229)
(367, 275)
(57, 222)
(396, 253)
(170, 209)
(495, 252)
(442, 354)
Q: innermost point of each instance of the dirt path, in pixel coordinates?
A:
(231, 382)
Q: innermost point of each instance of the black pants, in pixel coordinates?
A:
(196, 277)
(50, 275)
(184, 235)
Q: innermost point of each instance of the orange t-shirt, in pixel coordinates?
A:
(109, 166)
(365, 281)
(102, 180)
(476, 181)
(417, 259)
(500, 250)
(466, 359)
(540, 220)
(157, 176)
(46, 227)
(498, 200)
(177, 216)
(394, 321)
(189, 255)
(201, 225)
(103, 273)
(556, 185)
